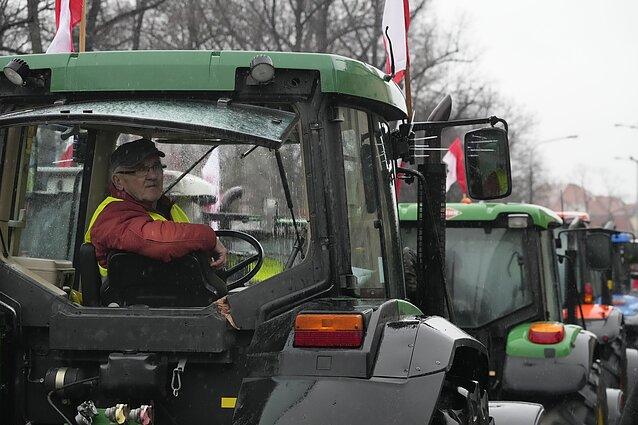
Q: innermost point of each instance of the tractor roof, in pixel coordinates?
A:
(140, 71)
(541, 216)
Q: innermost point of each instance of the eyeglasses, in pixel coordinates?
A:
(143, 170)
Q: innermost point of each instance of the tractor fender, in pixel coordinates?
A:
(632, 367)
(430, 345)
(516, 413)
(551, 376)
(614, 405)
(607, 329)
(413, 358)
(314, 400)
(442, 346)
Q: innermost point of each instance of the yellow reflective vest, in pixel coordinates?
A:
(177, 215)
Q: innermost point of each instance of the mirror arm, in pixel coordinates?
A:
(439, 125)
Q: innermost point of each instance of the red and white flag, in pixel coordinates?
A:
(66, 158)
(396, 18)
(455, 166)
(68, 13)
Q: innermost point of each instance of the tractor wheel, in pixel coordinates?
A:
(614, 364)
(588, 406)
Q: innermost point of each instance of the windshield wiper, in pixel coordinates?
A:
(519, 260)
(189, 170)
(299, 243)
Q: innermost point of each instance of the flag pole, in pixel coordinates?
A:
(408, 85)
(408, 90)
(82, 43)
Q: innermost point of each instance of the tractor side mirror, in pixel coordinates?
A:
(599, 249)
(487, 163)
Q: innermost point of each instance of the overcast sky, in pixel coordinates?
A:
(574, 65)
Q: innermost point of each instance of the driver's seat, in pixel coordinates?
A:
(134, 279)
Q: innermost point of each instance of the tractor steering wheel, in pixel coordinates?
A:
(257, 259)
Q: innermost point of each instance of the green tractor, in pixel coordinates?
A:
(502, 275)
(308, 325)
(595, 270)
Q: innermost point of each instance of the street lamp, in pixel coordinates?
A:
(632, 126)
(531, 159)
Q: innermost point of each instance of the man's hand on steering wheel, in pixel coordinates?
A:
(220, 255)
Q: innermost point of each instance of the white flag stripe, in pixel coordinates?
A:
(450, 160)
(394, 20)
(62, 42)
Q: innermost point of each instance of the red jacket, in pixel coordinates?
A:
(127, 226)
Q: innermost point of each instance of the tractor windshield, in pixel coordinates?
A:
(486, 273)
(222, 174)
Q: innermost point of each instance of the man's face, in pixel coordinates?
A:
(144, 182)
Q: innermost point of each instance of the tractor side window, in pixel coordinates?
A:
(51, 198)
(361, 192)
(550, 275)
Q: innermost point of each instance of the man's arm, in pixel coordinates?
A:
(126, 227)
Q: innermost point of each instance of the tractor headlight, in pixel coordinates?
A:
(262, 69)
(17, 72)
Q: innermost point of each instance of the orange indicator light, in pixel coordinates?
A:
(339, 330)
(546, 332)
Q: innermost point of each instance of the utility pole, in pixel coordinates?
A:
(532, 152)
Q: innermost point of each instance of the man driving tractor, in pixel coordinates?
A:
(136, 216)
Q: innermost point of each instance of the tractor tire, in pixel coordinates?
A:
(588, 406)
(614, 405)
(630, 412)
(632, 369)
(614, 364)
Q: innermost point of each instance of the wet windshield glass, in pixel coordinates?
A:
(485, 274)
(234, 186)
(248, 196)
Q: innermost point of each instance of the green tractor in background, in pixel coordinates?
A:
(502, 275)
(595, 273)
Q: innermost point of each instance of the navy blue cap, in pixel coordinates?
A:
(132, 153)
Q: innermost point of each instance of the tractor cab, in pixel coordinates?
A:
(501, 271)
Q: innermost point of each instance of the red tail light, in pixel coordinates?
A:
(321, 330)
(588, 293)
(546, 332)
